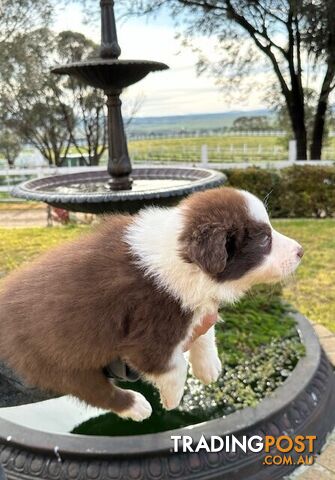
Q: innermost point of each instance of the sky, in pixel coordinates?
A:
(177, 91)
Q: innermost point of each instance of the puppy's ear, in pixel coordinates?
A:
(206, 246)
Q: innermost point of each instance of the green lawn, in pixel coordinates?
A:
(312, 291)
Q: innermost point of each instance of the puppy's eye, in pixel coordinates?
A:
(230, 246)
(265, 241)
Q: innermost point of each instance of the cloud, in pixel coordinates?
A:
(173, 92)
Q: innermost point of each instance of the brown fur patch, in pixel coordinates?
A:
(220, 236)
(71, 312)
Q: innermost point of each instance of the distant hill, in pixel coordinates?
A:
(190, 123)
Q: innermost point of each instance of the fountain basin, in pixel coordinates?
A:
(89, 192)
(303, 404)
(110, 74)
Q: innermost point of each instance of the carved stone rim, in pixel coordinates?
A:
(79, 445)
(113, 62)
(37, 189)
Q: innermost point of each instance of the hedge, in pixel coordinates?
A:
(299, 191)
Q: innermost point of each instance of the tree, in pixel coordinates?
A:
(252, 123)
(22, 16)
(48, 111)
(281, 31)
(277, 103)
(321, 47)
(30, 98)
(89, 133)
(10, 146)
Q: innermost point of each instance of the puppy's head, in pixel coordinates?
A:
(227, 233)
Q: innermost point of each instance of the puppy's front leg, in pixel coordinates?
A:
(172, 382)
(204, 358)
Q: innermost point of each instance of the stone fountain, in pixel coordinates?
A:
(121, 188)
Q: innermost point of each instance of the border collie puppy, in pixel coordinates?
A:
(136, 288)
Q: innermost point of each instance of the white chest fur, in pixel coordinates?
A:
(153, 239)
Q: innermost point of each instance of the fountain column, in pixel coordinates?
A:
(119, 165)
(109, 45)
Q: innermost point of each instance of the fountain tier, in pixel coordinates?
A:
(89, 191)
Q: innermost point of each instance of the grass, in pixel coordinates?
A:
(220, 148)
(312, 291)
(19, 245)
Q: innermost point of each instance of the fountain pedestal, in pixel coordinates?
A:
(120, 188)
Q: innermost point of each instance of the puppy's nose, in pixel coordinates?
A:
(300, 251)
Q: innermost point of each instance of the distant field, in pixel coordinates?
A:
(195, 122)
(220, 149)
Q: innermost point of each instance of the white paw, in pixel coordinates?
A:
(207, 369)
(171, 395)
(140, 409)
(171, 387)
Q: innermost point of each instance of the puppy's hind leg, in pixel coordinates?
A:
(94, 388)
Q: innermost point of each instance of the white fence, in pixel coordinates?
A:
(207, 133)
(10, 177)
(233, 156)
(238, 153)
(208, 153)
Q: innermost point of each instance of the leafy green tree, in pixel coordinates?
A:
(281, 32)
(31, 98)
(252, 123)
(88, 134)
(10, 146)
(22, 16)
(51, 112)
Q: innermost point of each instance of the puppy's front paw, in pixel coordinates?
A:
(207, 369)
(140, 409)
(171, 387)
(171, 396)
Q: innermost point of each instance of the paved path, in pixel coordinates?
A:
(34, 215)
(324, 467)
(24, 216)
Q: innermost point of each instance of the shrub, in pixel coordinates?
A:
(299, 191)
(261, 182)
(307, 191)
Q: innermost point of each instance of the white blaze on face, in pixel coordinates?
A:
(285, 254)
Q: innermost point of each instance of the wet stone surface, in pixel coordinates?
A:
(14, 392)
